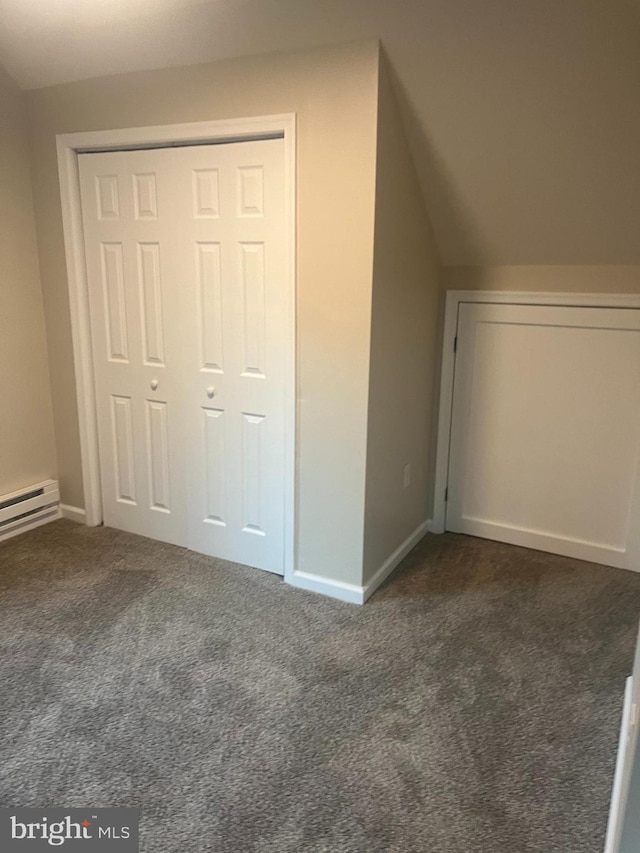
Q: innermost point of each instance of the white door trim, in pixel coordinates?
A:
(69, 146)
(453, 300)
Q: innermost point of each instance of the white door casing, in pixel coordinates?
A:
(545, 429)
(189, 309)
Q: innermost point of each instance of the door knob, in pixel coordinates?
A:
(211, 392)
(154, 384)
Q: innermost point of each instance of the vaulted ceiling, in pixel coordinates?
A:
(523, 115)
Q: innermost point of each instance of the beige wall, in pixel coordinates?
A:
(406, 291)
(334, 94)
(27, 449)
(522, 114)
(557, 279)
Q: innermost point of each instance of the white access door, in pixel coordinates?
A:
(191, 325)
(545, 440)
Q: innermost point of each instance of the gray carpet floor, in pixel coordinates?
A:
(472, 706)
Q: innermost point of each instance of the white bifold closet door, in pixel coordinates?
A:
(545, 440)
(189, 314)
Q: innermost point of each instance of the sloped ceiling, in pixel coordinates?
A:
(523, 115)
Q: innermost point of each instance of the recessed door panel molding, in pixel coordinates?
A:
(545, 429)
(123, 449)
(250, 200)
(206, 194)
(210, 316)
(158, 456)
(114, 301)
(151, 303)
(252, 264)
(214, 466)
(145, 196)
(253, 428)
(195, 302)
(107, 196)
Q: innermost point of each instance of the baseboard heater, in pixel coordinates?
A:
(29, 508)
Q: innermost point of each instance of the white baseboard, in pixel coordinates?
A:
(73, 513)
(395, 559)
(325, 586)
(434, 527)
(352, 593)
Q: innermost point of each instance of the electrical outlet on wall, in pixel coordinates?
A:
(406, 479)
